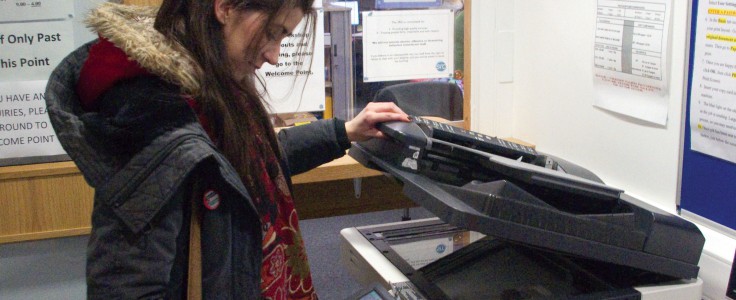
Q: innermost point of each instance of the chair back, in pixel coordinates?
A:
(427, 98)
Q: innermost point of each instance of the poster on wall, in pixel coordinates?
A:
(630, 58)
(713, 87)
(25, 130)
(34, 37)
(407, 44)
(297, 82)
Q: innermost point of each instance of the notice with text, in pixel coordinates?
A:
(35, 35)
(407, 44)
(713, 88)
(297, 82)
(631, 57)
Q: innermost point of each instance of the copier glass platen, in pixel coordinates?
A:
(532, 208)
(428, 259)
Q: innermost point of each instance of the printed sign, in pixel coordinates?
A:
(34, 37)
(25, 129)
(297, 82)
(407, 44)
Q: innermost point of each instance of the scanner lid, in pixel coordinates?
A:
(620, 232)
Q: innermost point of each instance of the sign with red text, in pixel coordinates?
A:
(630, 58)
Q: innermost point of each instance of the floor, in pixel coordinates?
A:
(322, 239)
(54, 268)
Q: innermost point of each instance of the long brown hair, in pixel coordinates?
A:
(234, 109)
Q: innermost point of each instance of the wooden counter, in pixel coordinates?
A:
(342, 168)
(42, 201)
(52, 200)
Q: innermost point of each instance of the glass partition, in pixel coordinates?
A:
(407, 52)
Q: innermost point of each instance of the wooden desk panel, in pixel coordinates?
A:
(336, 198)
(45, 206)
(53, 200)
(342, 168)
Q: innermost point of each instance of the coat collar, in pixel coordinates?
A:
(130, 28)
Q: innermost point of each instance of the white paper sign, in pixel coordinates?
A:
(713, 92)
(30, 51)
(407, 44)
(291, 86)
(35, 35)
(630, 63)
(25, 129)
(35, 10)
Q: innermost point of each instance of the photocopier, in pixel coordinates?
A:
(512, 223)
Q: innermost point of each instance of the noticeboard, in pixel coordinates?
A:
(707, 188)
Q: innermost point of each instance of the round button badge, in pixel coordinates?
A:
(211, 199)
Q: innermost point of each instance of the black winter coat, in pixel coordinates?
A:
(144, 153)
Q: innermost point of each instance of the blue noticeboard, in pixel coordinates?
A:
(708, 186)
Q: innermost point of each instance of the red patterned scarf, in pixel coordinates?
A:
(285, 270)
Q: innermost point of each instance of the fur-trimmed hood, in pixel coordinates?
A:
(130, 28)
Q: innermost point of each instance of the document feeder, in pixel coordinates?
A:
(513, 193)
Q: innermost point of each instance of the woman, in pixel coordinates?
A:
(163, 118)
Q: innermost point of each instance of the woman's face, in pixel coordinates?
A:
(240, 30)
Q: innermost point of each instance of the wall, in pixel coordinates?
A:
(553, 96)
(547, 100)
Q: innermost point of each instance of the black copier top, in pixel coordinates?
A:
(512, 192)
